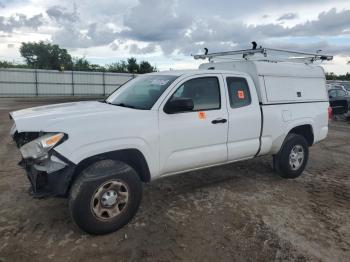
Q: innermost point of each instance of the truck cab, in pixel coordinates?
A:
(207, 134)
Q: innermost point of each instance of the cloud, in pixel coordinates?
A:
(222, 34)
(73, 32)
(135, 49)
(287, 16)
(34, 21)
(94, 35)
(167, 25)
(17, 21)
(114, 46)
(61, 14)
(155, 20)
(100, 34)
(328, 23)
(228, 9)
(181, 26)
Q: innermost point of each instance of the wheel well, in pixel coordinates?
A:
(306, 131)
(132, 157)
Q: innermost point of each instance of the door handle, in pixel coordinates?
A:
(219, 121)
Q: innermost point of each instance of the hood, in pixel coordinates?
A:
(41, 118)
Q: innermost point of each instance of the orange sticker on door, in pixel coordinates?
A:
(240, 94)
(201, 115)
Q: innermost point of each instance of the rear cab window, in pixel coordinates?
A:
(238, 90)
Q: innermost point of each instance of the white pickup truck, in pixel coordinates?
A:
(98, 153)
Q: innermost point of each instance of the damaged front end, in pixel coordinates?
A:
(48, 172)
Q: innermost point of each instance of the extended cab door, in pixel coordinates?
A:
(197, 138)
(244, 117)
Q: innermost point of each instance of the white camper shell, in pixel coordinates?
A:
(280, 82)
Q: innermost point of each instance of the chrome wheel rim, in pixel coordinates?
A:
(110, 199)
(296, 157)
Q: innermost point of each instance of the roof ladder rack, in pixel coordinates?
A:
(267, 55)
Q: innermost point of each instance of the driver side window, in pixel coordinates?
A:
(204, 92)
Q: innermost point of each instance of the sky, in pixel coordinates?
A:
(167, 32)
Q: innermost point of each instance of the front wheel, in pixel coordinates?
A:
(105, 197)
(291, 161)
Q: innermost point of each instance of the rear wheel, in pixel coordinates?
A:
(291, 161)
(105, 197)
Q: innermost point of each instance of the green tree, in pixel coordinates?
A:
(97, 68)
(145, 67)
(43, 55)
(81, 64)
(133, 66)
(7, 64)
(332, 76)
(117, 67)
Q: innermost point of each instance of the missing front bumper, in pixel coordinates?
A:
(46, 184)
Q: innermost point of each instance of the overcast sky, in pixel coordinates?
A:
(167, 32)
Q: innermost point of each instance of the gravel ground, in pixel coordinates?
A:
(237, 212)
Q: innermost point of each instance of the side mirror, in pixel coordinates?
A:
(330, 96)
(177, 105)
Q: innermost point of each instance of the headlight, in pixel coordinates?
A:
(38, 148)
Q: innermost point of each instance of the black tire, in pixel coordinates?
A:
(282, 159)
(90, 181)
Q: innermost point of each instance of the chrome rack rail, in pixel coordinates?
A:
(267, 55)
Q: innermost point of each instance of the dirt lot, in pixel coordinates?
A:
(238, 212)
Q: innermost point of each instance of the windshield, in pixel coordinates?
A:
(141, 92)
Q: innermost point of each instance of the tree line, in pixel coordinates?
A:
(332, 76)
(43, 55)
